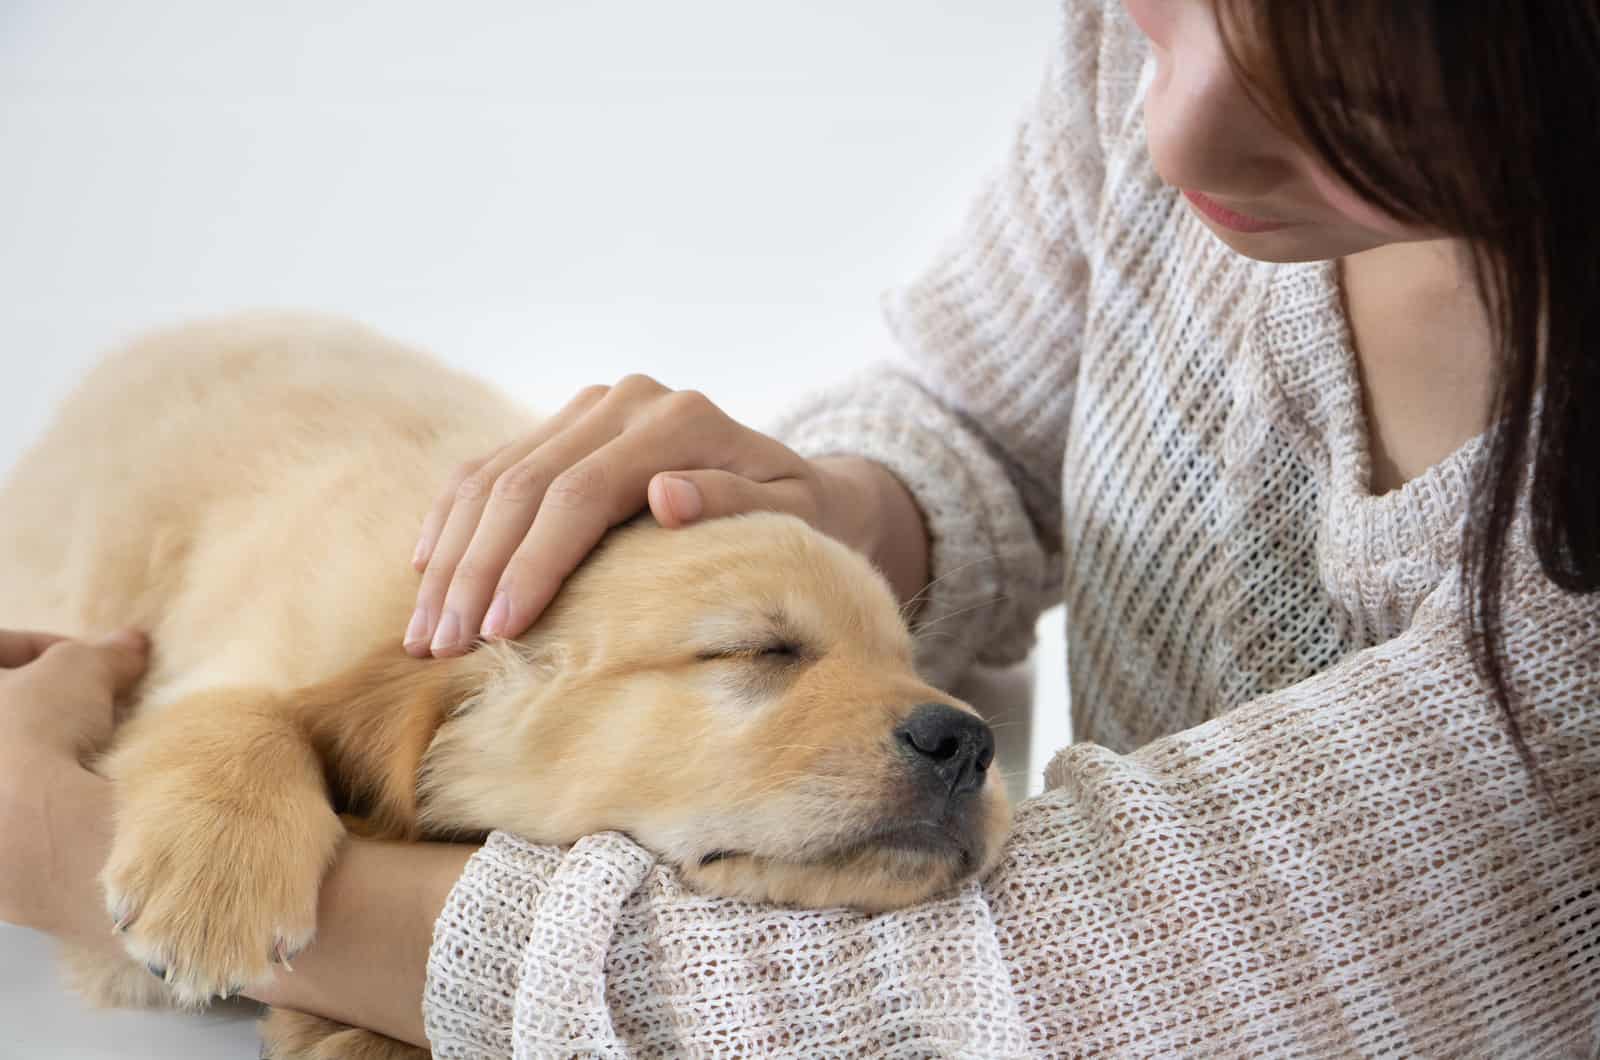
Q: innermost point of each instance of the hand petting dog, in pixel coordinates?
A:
(57, 706)
(509, 527)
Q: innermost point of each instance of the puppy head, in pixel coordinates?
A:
(739, 696)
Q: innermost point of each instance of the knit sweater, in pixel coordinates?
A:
(1293, 820)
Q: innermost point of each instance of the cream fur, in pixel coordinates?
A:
(247, 489)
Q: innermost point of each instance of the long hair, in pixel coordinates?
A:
(1477, 118)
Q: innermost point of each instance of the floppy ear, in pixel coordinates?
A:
(371, 726)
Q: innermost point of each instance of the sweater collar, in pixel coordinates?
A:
(1397, 546)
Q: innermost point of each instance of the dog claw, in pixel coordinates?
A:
(281, 955)
(157, 970)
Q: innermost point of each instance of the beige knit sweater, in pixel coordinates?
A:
(1294, 823)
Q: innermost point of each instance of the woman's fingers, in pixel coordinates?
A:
(98, 670)
(21, 647)
(498, 547)
(485, 516)
(439, 514)
(678, 498)
(582, 503)
(73, 686)
(460, 526)
(619, 480)
(560, 501)
(552, 474)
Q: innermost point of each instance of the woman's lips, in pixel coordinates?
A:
(1230, 219)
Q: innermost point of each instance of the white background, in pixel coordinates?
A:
(551, 194)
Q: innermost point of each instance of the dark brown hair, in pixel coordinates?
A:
(1478, 118)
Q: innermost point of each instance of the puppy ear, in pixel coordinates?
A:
(371, 726)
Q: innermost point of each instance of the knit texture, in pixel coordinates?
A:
(1294, 822)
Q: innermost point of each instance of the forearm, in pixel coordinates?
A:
(368, 964)
(877, 515)
(375, 917)
(969, 548)
(68, 836)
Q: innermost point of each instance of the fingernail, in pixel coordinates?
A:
(499, 611)
(417, 631)
(420, 556)
(684, 497)
(448, 634)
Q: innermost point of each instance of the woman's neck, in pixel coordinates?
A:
(1424, 353)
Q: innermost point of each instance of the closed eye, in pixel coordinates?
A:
(779, 651)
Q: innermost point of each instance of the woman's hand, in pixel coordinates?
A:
(57, 700)
(509, 528)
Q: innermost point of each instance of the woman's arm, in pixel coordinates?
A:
(1359, 863)
(374, 921)
(56, 709)
(375, 918)
(378, 904)
(970, 436)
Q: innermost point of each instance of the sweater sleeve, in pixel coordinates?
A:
(973, 416)
(1358, 864)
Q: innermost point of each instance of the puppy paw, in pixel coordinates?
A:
(209, 894)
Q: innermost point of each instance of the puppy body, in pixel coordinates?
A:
(239, 475)
(738, 695)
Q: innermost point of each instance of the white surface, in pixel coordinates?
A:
(553, 194)
(38, 1018)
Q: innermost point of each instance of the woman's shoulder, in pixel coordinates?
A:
(1100, 59)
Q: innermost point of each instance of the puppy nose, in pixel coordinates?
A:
(951, 745)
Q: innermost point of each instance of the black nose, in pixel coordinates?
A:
(948, 744)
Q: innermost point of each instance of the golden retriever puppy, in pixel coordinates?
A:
(738, 696)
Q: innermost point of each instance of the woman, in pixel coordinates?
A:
(1266, 351)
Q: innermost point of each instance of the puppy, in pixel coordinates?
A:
(739, 695)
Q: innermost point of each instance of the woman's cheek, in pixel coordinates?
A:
(1343, 200)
